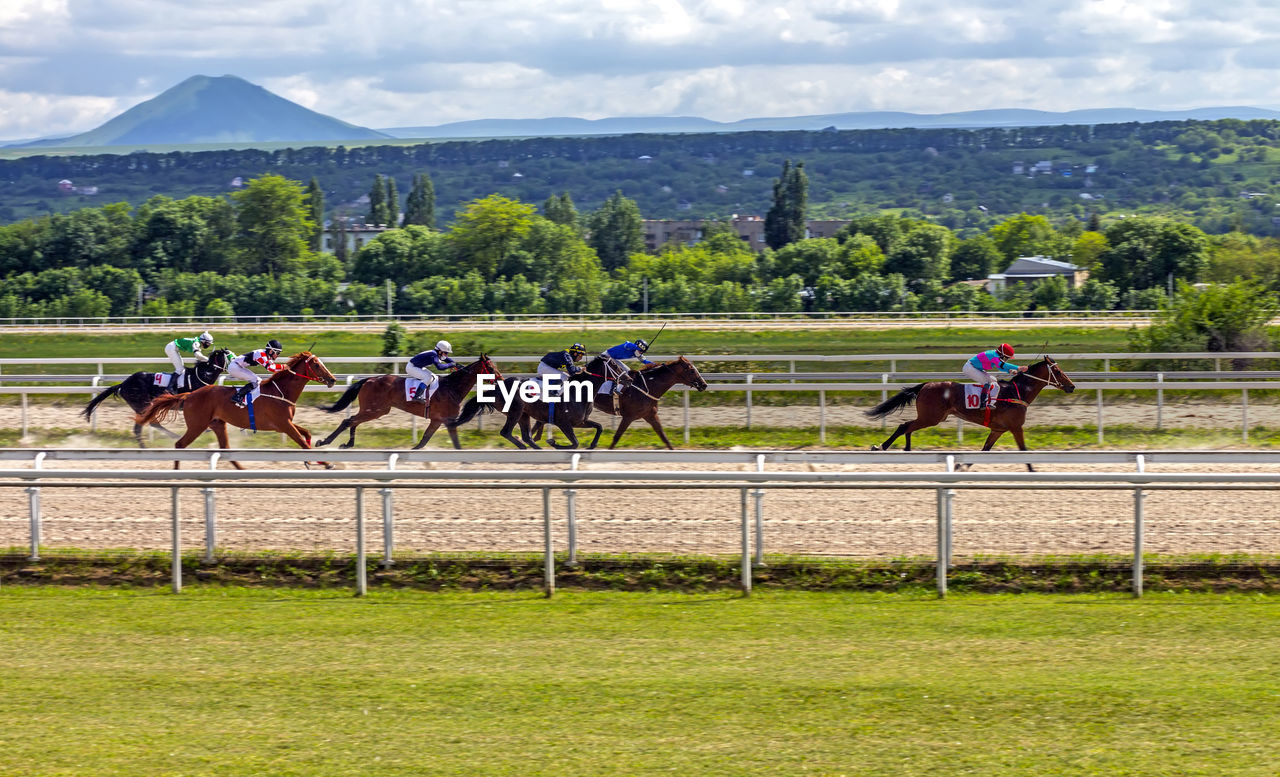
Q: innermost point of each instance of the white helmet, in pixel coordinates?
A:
(444, 347)
(206, 338)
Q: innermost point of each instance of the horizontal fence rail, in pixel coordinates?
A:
(569, 478)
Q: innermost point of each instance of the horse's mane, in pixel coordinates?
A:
(293, 362)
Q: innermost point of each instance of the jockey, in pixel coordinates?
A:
(980, 366)
(615, 369)
(556, 361)
(437, 357)
(189, 345)
(240, 368)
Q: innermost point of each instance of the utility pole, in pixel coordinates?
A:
(390, 290)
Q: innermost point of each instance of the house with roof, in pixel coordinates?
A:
(1029, 269)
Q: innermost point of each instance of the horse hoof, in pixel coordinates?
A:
(329, 465)
(346, 445)
(875, 447)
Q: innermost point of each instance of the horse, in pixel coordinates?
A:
(640, 398)
(140, 388)
(381, 393)
(937, 400)
(567, 414)
(212, 407)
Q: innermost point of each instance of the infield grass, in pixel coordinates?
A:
(232, 681)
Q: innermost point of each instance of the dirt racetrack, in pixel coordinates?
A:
(871, 524)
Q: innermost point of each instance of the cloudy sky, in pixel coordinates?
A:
(69, 65)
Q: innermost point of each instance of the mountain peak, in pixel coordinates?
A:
(217, 109)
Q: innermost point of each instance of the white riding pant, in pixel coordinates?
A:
(238, 370)
(423, 374)
(547, 369)
(171, 350)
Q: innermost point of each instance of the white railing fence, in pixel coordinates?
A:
(750, 485)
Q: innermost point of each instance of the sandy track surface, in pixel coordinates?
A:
(116, 416)
(870, 524)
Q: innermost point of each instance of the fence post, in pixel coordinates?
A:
(1159, 401)
(388, 528)
(24, 415)
(210, 513)
(947, 498)
(686, 415)
(548, 556)
(959, 430)
(748, 400)
(822, 416)
(1099, 416)
(941, 566)
(362, 581)
(93, 419)
(884, 397)
(746, 546)
(571, 512)
(177, 542)
(1138, 532)
(33, 498)
(1244, 414)
(758, 495)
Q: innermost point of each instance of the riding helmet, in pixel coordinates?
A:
(274, 345)
(577, 348)
(444, 347)
(642, 346)
(1006, 350)
(205, 338)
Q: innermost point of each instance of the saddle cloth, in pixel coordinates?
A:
(411, 388)
(161, 379)
(973, 396)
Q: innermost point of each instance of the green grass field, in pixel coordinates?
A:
(232, 681)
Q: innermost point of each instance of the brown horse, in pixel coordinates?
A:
(639, 400)
(212, 407)
(379, 394)
(936, 401)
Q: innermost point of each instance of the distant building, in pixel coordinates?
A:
(65, 186)
(1043, 167)
(237, 183)
(358, 235)
(1018, 168)
(1028, 269)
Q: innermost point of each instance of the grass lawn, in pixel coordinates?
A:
(232, 681)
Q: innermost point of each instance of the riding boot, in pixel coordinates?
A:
(241, 393)
(421, 394)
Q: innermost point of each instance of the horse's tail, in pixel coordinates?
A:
(902, 399)
(161, 409)
(347, 397)
(470, 410)
(93, 403)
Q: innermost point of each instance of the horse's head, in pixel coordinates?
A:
(487, 367)
(688, 374)
(216, 363)
(309, 366)
(1055, 376)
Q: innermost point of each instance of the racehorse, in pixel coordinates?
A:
(937, 400)
(140, 388)
(640, 398)
(212, 407)
(566, 416)
(381, 393)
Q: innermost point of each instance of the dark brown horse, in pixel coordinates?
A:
(639, 400)
(937, 400)
(565, 415)
(212, 407)
(140, 388)
(379, 394)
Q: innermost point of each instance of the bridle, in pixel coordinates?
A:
(1052, 380)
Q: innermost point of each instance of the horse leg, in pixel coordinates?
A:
(341, 427)
(172, 434)
(524, 432)
(219, 428)
(431, 429)
(599, 429)
(567, 430)
(622, 427)
(1022, 444)
(652, 418)
(192, 433)
(137, 435)
(991, 439)
(884, 446)
(453, 436)
(537, 430)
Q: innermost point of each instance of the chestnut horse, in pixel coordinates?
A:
(937, 400)
(639, 400)
(212, 407)
(381, 393)
(140, 388)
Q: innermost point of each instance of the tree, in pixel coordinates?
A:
(1094, 294)
(785, 221)
(420, 209)
(924, 254)
(1218, 317)
(617, 231)
(488, 229)
(315, 204)
(559, 209)
(1026, 235)
(1149, 252)
(392, 203)
(975, 258)
(1088, 249)
(274, 224)
(378, 213)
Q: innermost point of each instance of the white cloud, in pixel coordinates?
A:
(69, 64)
